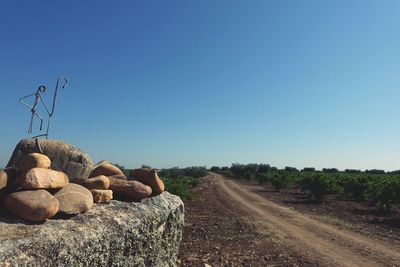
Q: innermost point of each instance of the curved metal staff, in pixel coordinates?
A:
(54, 102)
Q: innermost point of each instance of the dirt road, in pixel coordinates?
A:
(324, 244)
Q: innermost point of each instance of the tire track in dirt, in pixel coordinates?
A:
(329, 244)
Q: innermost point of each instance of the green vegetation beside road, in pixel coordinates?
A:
(179, 181)
(376, 186)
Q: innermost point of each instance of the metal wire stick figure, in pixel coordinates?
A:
(38, 100)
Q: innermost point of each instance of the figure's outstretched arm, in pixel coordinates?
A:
(23, 103)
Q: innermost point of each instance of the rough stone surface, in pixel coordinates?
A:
(74, 199)
(33, 160)
(133, 190)
(64, 157)
(37, 205)
(39, 178)
(118, 234)
(98, 182)
(102, 196)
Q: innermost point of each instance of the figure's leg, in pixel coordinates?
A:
(31, 123)
(41, 121)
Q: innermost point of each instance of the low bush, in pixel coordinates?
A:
(215, 169)
(181, 186)
(385, 192)
(263, 178)
(355, 185)
(175, 172)
(319, 185)
(280, 180)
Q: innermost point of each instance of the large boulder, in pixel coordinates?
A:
(64, 157)
(118, 234)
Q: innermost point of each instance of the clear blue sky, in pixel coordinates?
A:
(167, 83)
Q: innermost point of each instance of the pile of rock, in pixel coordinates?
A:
(34, 191)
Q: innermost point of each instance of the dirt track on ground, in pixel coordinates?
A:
(327, 244)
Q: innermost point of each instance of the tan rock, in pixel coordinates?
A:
(39, 178)
(102, 196)
(105, 169)
(133, 190)
(98, 182)
(33, 160)
(3, 183)
(12, 180)
(37, 205)
(101, 162)
(74, 199)
(120, 176)
(149, 177)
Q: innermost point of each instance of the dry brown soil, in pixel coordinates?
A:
(234, 223)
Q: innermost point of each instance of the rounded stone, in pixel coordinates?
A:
(102, 196)
(120, 176)
(149, 177)
(98, 182)
(39, 178)
(37, 205)
(105, 169)
(74, 199)
(3, 183)
(12, 180)
(133, 190)
(33, 160)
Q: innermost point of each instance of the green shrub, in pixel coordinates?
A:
(330, 170)
(175, 172)
(319, 185)
(375, 171)
(249, 175)
(215, 169)
(385, 191)
(291, 169)
(356, 185)
(280, 180)
(308, 169)
(262, 178)
(180, 186)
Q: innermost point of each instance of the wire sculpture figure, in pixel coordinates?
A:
(38, 100)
